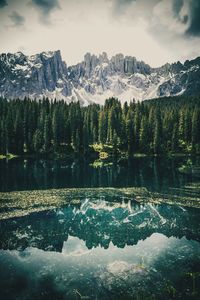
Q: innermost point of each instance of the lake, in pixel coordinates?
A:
(72, 231)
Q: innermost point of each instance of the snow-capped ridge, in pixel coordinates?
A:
(94, 79)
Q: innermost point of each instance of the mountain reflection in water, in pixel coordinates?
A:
(98, 223)
(86, 242)
(101, 250)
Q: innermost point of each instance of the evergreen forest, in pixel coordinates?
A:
(48, 127)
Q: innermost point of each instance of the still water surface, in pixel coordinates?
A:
(98, 243)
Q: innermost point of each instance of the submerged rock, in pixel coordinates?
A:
(122, 280)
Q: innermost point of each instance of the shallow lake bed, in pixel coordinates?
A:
(133, 238)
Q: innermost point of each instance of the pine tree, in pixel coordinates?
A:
(129, 134)
(47, 134)
(102, 127)
(3, 137)
(144, 136)
(195, 129)
(157, 142)
(56, 129)
(9, 132)
(155, 126)
(174, 141)
(37, 141)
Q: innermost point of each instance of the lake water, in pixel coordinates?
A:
(71, 231)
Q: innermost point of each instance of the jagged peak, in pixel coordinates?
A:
(49, 54)
(102, 57)
(93, 79)
(20, 55)
(118, 55)
(15, 55)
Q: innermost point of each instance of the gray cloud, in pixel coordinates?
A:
(194, 18)
(3, 3)
(120, 6)
(153, 30)
(191, 16)
(176, 6)
(124, 2)
(46, 6)
(141, 6)
(186, 12)
(16, 19)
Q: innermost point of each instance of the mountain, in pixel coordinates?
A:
(98, 223)
(95, 78)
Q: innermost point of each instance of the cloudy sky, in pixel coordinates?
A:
(156, 31)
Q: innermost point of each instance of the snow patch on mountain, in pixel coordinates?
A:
(95, 78)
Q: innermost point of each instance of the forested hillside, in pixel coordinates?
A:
(160, 126)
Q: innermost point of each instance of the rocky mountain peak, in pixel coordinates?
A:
(95, 78)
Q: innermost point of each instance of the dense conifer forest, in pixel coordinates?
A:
(160, 126)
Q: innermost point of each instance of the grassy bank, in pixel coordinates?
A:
(8, 156)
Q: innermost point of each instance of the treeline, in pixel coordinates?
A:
(167, 125)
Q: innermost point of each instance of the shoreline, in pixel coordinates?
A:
(58, 156)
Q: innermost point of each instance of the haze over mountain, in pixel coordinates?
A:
(95, 78)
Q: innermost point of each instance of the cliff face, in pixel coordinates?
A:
(95, 78)
(33, 76)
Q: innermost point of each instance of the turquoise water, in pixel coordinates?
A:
(98, 244)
